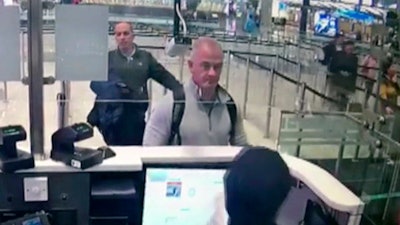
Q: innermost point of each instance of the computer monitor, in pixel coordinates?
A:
(182, 196)
(315, 215)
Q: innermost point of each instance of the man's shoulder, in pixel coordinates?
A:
(226, 96)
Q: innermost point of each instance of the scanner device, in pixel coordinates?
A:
(64, 150)
(11, 158)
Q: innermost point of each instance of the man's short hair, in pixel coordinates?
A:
(202, 41)
(256, 186)
(349, 42)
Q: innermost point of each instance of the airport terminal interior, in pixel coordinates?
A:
(315, 81)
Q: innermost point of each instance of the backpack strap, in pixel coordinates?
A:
(232, 110)
(177, 115)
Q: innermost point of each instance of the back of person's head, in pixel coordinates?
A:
(256, 185)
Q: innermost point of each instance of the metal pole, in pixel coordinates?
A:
(298, 74)
(35, 71)
(269, 104)
(5, 91)
(64, 103)
(300, 111)
(302, 96)
(246, 90)
(181, 63)
(23, 55)
(228, 67)
(150, 84)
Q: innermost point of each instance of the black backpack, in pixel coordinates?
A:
(179, 109)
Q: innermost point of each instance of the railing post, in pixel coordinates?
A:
(150, 85)
(246, 90)
(228, 66)
(269, 104)
(378, 89)
(5, 91)
(181, 64)
(300, 110)
(35, 70)
(63, 99)
(300, 103)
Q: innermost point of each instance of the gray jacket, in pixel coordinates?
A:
(202, 123)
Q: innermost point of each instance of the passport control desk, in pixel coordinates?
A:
(66, 192)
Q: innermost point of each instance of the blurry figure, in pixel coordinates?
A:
(331, 48)
(369, 70)
(342, 76)
(250, 25)
(230, 12)
(389, 90)
(358, 36)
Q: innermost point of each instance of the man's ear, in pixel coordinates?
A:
(190, 63)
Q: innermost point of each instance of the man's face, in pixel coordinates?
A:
(340, 40)
(206, 66)
(123, 35)
(349, 49)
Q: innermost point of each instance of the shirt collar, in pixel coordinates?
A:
(193, 89)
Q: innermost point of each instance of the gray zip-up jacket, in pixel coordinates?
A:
(202, 123)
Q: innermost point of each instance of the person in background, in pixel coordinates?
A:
(256, 186)
(343, 75)
(123, 122)
(331, 48)
(369, 71)
(389, 90)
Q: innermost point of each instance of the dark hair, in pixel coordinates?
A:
(256, 185)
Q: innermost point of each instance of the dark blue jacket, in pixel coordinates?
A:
(108, 107)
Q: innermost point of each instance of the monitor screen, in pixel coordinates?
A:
(325, 24)
(315, 215)
(181, 196)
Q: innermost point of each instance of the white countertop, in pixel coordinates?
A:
(323, 184)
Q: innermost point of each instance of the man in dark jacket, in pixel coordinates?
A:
(343, 75)
(331, 48)
(133, 67)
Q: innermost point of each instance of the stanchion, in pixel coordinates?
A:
(181, 63)
(269, 104)
(5, 91)
(150, 85)
(300, 110)
(63, 99)
(298, 71)
(228, 66)
(246, 90)
(35, 70)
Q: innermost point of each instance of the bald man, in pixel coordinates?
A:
(210, 116)
(129, 70)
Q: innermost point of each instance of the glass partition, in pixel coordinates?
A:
(352, 149)
(14, 105)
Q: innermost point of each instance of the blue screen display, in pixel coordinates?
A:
(325, 24)
(33, 221)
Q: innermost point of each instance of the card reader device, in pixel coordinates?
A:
(64, 150)
(11, 158)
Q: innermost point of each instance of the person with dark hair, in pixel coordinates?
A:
(256, 186)
(342, 76)
(331, 48)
